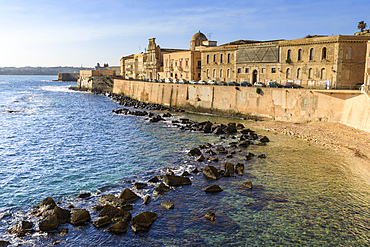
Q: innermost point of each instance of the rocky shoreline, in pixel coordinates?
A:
(112, 213)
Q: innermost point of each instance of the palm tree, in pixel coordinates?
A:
(361, 25)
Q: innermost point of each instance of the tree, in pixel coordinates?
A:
(361, 25)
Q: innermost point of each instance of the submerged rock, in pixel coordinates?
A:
(247, 184)
(168, 205)
(143, 221)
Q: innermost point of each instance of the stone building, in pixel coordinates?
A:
(123, 63)
(96, 79)
(330, 61)
(186, 64)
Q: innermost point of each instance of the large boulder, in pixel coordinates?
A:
(111, 200)
(79, 216)
(50, 223)
(161, 189)
(143, 221)
(119, 227)
(229, 169)
(115, 213)
(211, 172)
(172, 180)
(129, 196)
(48, 204)
(102, 221)
(21, 228)
(214, 188)
(63, 215)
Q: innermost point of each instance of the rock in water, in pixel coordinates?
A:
(128, 195)
(84, 195)
(63, 215)
(168, 205)
(143, 221)
(264, 139)
(50, 223)
(173, 180)
(229, 169)
(146, 199)
(161, 189)
(111, 200)
(194, 152)
(211, 216)
(200, 158)
(79, 216)
(47, 204)
(21, 228)
(138, 186)
(211, 172)
(102, 221)
(239, 169)
(118, 228)
(248, 184)
(213, 189)
(113, 213)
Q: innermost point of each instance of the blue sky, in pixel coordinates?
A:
(80, 32)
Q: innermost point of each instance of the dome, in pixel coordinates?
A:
(199, 37)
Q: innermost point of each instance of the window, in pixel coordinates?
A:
(273, 70)
(207, 59)
(228, 58)
(299, 54)
(298, 73)
(221, 73)
(246, 70)
(214, 73)
(349, 53)
(228, 73)
(214, 58)
(311, 54)
(175, 63)
(239, 70)
(199, 64)
(263, 70)
(180, 63)
(221, 58)
(348, 74)
(186, 63)
(323, 74)
(323, 53)
(287, 73)
(310, 73)
(288, 54)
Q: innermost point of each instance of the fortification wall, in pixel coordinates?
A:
(68, 76)
(299, 105)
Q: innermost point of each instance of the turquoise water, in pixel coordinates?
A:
(56, 142)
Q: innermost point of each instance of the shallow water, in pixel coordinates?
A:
(58, 143)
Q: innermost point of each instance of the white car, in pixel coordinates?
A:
(175, 81)
(202, 82)
(193, 82)
(167, 80)
(212, 82)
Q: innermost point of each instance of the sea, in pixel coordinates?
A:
(59, 143)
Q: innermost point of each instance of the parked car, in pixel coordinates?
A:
(245, 84)
(167, 80)
(183, 81)
(231, 83)
(193, 82)
(175, 81)
(357, 86)
(273, 84)
(161, 80)
(212, 82)
(202, 82)
(292, 85)
(259, 84)
(221, 83)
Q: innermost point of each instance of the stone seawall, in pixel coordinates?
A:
(299, 105)
(68, 76)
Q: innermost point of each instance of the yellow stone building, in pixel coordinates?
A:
(326, 61)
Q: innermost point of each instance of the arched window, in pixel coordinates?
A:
(323, 53)
(323, 74)
(228, 73)
(310, 73)
(287, 73)
(221, 73)
(298, 73)
(288, 54)
(349, 53)
(228, 58)
(348, 74)
(214, 58)
(207, 58)
(311, 54)
(214, 73)
(299, 54)
(221, 58)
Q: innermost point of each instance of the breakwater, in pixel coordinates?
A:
(349, 107)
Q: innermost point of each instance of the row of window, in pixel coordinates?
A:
(263, 70)
(312, 53)
(214, 74)
(180, 63)
(221, 58)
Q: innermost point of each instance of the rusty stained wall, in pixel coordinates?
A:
(298, 105)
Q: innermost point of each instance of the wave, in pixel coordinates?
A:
(57, 88)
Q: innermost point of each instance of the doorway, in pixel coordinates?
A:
(255, 74)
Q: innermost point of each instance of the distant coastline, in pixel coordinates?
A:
(39, 70)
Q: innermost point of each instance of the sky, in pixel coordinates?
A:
(83, 33)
